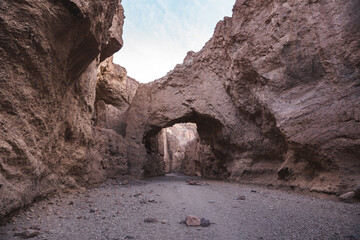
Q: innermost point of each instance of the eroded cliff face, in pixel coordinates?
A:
(177, 150)
(275, 94)
(49, 53)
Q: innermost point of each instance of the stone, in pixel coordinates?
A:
(357, 192)
(150, 220)
(192, 220)
(204, 222)
(347, 196)
(27, 234)
(137, 194)
(35, 227)
(193, 182)
(240, 198)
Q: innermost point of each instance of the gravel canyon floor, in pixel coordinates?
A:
(117, 211)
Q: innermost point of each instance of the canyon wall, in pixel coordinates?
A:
(49, 54)
(275, 94)
(178, 148)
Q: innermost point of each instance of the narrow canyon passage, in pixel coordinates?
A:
(270, 108)
(117, 211)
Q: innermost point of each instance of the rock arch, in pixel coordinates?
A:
(231, 135)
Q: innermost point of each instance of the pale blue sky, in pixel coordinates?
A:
(159, 33)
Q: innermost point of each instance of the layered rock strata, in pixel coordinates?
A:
(49, 53)
(275, 94)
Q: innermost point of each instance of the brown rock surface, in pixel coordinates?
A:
(114, 93)
(276, 86)
(178, 147)
(192, 220)
(275, 94)
(49, 53)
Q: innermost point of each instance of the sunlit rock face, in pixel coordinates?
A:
(49, 53)
(275, 94)
(178, 147)
(114, 93)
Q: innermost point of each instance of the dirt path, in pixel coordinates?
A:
(115, 211)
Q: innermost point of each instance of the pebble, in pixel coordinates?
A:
(150, 220)
(125, 182)
(204, 222)
(27, 234)
(347, 195)
(240, 198)
(192, 220)
(35, 227)
(193, 182)
(357, 192)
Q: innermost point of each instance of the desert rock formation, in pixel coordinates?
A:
(275, 95)
(48, 73)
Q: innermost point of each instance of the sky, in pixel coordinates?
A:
(158, 33)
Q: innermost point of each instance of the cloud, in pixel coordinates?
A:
(159, 33)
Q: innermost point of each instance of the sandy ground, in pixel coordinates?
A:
(116, 211)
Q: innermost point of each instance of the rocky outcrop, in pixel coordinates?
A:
(49, 52)
(275, 94)
(114, 93)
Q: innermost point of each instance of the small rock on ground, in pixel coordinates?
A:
(204, 222)
(27, 234)
(347, 195)
(192, 220)
(150, 220)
